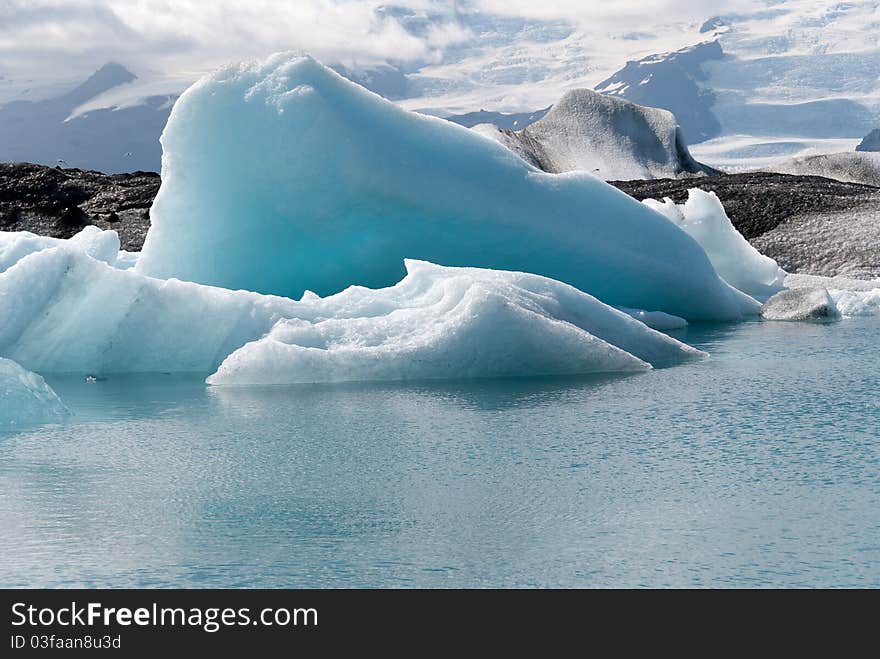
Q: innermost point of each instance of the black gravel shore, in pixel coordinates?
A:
(759, 202)
(60, 202)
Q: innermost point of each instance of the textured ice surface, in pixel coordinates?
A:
(852, 297)
(281, 176)
(800, 304)
(738, 263)
(857, 303)
(450, 323)
(656, 319)
(15, 245)
(67, 312)
(609, 137)
(26, 399)
(64, 311)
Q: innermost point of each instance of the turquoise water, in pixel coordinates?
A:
(758, 467)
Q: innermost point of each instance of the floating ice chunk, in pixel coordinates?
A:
(26, 399)
(69, 313)
(853, 297)
(450, 323)
(101, 245)
(64, 312)
(656, 319)
(738, 263)
(281, 176)
(857, 303)
(800, 304)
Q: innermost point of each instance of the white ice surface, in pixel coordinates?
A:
(656, 319)
(450, 323)
(853, 297)
(280, 176)
(68, 312)
(734, 259)
(26, 399)
(101, 245)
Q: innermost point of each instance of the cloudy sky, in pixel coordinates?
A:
(522, 51)
(185, 35)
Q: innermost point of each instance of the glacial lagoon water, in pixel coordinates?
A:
(758, 467)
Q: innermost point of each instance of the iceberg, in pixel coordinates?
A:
(70, 313)
(441, 323)
(735, 260)
(281, 176)
(26, 399)
(66, 312)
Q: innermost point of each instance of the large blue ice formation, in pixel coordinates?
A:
(66, 311)
(281, 176)
(26, 399)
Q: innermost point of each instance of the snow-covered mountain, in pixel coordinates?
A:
(674, 82)
(773, 72)
(871, 142)
(62, 129)
(610, 137)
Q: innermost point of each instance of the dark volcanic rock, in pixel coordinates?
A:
(60, 202)
(758, 202)
(809, 224)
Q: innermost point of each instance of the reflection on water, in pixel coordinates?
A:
(758, 466)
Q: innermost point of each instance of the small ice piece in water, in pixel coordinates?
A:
(853, 297)
(801, 304)
(738, 263)
(26, 399)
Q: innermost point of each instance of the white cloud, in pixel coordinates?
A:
(195, 35)
(501, 54)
